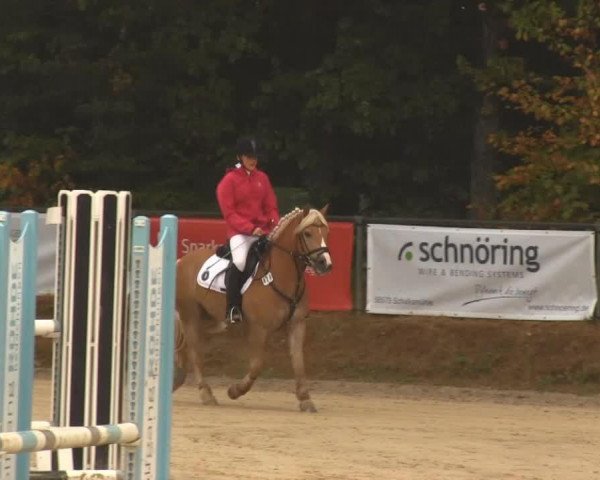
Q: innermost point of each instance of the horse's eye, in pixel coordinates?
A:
(307, 234)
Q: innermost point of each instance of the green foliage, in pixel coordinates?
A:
(34, 170)
(359, 102)
(137, 93)
(557, 174)
(373, 125)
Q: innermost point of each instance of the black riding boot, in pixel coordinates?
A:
(233, 276)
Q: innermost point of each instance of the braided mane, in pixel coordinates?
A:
(313, 217)
(284, 222)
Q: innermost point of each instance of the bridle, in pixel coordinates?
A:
(309, 256)
(303, 258)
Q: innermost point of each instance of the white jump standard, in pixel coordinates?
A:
(112, 372)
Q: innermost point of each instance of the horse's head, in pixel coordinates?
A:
(312, 232)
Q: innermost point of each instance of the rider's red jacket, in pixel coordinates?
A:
(247, 201)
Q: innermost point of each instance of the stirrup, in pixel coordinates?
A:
(234, 315)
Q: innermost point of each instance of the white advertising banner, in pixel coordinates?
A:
(481, 273)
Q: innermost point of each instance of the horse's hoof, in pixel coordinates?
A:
(207, 397)
(179, 375)
(233, 393)
(307, 406)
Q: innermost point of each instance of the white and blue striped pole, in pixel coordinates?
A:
(54, 438)
(151, 348)
(7, 409)
(18, 274)
(168, 242)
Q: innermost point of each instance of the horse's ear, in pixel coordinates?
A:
(324, 210)
(305, 210)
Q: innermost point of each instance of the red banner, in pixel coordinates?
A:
(330, 292)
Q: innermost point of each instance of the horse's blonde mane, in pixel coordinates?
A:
(313, 217)
(284, 222)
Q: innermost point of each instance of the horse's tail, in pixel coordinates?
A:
(180, 367)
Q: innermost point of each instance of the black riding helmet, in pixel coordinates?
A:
(248, 146)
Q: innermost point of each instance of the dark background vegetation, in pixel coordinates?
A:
(358, 102)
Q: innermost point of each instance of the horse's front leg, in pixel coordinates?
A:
(257, 340)
(297, 332)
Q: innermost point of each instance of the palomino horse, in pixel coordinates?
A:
(276, 298)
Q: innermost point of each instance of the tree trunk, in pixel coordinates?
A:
(484, 159)
(483, 164)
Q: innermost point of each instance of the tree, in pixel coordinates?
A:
(373, 117)
(117, 95)
(556, 174)
(484, 162)
(359, 102)
(30, 181)
(34, 153)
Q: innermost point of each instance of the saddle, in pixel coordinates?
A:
(211, 272)
(256, 250)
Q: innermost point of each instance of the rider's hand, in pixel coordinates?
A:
(258, 231)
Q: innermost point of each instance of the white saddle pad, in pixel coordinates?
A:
(212, 274)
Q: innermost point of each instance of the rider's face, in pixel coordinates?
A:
(249, 162)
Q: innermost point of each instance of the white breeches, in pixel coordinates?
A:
(240, 245)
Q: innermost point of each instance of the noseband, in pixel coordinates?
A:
(304, 257)
(309, 256)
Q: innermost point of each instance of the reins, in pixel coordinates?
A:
(300, 282)
(301, 261)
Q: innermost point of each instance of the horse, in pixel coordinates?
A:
(276, 298)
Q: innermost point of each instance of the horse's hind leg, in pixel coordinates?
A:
(257, 340)
(179, 369)
(296, 335)
(196, 342)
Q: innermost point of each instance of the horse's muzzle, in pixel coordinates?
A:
(322, 265)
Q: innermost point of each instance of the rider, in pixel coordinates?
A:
(249, 207)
